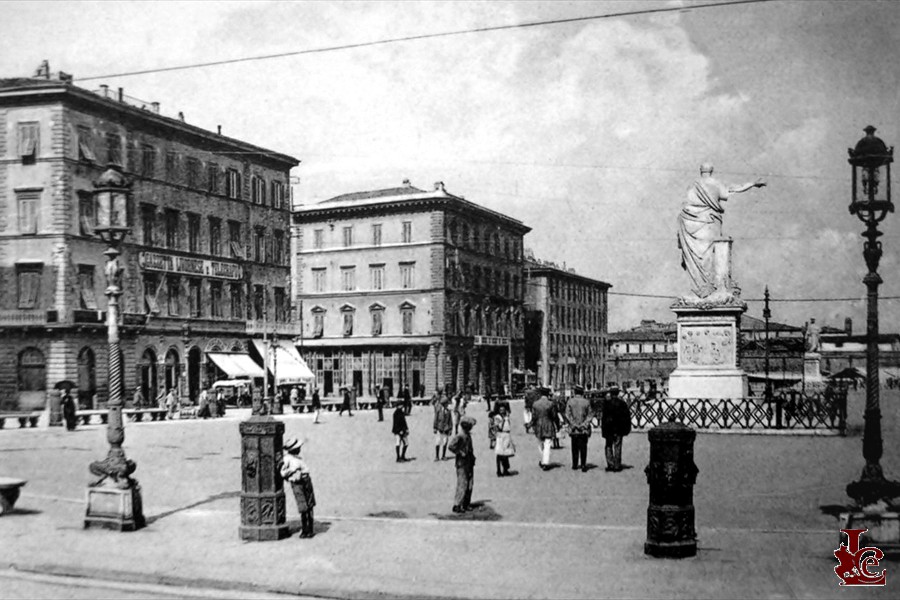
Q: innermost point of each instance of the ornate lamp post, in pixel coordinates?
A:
(767, 314)
(114, 499)
(871, 202)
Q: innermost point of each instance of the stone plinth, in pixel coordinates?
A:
(883, 526)
(113, 507)
(263, 510)
(812, 367)
(708, 350)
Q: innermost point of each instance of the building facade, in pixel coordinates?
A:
(206, 260)
(567, 319)
(402, 287)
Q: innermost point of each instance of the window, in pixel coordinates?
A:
(376, 234)
(257, 190)
(194, 296)
(29, 142)
(278, 194)
(506, 284)
(192, 168)
(173, 287)
(232, 184)
(212, 178)
(407, 275)
(148, 222)
(407, 232)
(376, 274)
(32, 373)
(259, 302)
(318, 234)
(377, 320)
(28, 281)
(171, 228)
(151, 292)
(86, 287)
(318, 280)
(348, 236)
(259, 244)
(215, 299)
(171, 166)
(234, 240)
(237, 301)
(148, 160)
(476, 278)
(465, 235)
(215, 236)
(280, 305)
(85, 144)
(406, 315)
(348, 278)
(348, 322)
(454, 231)
(27, 201)
(318, 322)
(86, 222)
(114, 149)
(278, 254)
(193, 232)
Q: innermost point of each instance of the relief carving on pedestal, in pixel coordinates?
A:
(706, 346)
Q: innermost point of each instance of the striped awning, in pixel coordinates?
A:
(236, 364)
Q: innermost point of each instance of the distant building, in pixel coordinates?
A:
(566, 326)
(403, 286)
(841, 349)
(205, 259)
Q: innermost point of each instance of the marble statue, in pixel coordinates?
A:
(700, 228)
(813, 342)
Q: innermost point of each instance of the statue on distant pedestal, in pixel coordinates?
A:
(700, 227)
(813, 342)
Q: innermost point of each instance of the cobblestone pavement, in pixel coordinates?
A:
(764, 505)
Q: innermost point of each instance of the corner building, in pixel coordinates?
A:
(206, 261)
(403, 286)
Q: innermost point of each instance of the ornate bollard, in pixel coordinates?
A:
(262, 494)
(671, 475)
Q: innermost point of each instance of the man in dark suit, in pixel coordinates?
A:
(461, 446)
(544, 421)
(578, 416)
(615, 424)
(380, 401)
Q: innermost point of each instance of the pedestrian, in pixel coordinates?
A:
(220, 403)
(380, 399)
(407, 400)
(614, 425)
(531, 396)
(543, 424)
(295, 471)
(462, 447)
(503, 447)
(491, 429)
(578, 416)
(443, 427)
(559, 402)
(171, 403)
(70, 411)
(295, 399)
(161, 399)
(346, 404)
(203, 405)
(459, 410)
(487, 400)
(316, 404)
(137, 401)
(401, 433)
(436, 398)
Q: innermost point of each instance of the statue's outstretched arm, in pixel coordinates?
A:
(737, 189)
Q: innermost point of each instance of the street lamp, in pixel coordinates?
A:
(767, 314)
(114, 499)
(871, 161)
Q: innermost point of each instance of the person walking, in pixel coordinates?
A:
(543, 423)
(295, 399)
(443, 427)
(380, 400)
(401, 433)
(461, 446)
(503, 445)
(137, 401)
(203, 404)
(406, 397)
(70, 411)
(316, 405)
(578, 416)
(171, 403)
(296, 472)
(615, 424)
(531, 396)
(346, 404)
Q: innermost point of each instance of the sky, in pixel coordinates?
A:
(588, 131)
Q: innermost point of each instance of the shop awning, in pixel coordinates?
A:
(285, 362)
(236, 364)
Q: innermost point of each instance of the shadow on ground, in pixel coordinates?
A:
(480, 511)
(214, 498)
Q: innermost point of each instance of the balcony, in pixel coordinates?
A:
(260, 327)
(22, 317)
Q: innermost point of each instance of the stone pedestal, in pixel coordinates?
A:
(883, 526)
(262, 495)
(112, 507)
(56, 416)
(812, 367)
(708, 350)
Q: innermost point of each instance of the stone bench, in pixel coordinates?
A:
(24, 418)
(86, 416)
(138, 414)
(9, 493)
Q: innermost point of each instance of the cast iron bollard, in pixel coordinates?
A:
(671, 475)
(262, 495)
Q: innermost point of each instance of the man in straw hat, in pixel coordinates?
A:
(295, 471)
(461, 446)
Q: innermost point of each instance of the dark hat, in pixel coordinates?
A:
(293, 445)
(467, 422)
(578, 389)
(544, 390)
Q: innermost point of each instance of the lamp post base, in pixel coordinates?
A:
(110, 507)
(873, 486)
(883, 528)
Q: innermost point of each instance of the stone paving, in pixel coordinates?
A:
(764, 507)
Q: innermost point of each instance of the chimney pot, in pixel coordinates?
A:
(155, 106)
(220, 129)
(121, 95)
(848, 326)
(439, 186)
(104, 90)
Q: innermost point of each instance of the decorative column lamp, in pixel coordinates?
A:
(114, 498)
(871, 202)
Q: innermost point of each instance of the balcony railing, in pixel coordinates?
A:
(22, 317)
(260, 327)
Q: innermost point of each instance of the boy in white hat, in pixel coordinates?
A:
(295, 471)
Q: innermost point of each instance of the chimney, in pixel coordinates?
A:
(848, 326)
(406, 183)
(121, 95)
(104, 90)
(155, 106)
(219, 127)
(181, 115)
(439, 186)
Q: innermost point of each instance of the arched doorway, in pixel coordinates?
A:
(193, 373)
(32, 379)
(172, 371)
(87, 378)
(147, 377)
